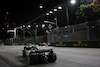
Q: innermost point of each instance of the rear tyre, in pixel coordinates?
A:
(31, 60)
(24, 48)
(41, 59)
(24, 53)
(52, 57)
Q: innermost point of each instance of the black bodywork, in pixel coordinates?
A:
(40, 56)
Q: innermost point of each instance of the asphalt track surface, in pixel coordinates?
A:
(11, 56)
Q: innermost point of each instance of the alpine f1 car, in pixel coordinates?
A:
(43, 44)
(40, 56)
(37, 55)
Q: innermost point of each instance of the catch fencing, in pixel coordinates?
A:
(88, 31)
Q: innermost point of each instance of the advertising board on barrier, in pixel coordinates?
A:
(80, 44)
(60, 44)
(77, 44)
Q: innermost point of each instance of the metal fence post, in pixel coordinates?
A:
(88, 31)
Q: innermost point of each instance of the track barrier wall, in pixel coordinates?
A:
(94, 44)
(19, 44)
(77, 44)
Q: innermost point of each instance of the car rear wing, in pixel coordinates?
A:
(41, 51)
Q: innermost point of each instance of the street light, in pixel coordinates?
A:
(23, 25)
(65, 27)
(43, 25)
(29, 26)
(36, 33)
(59, 7)
(23, 33)
(41, 6)
(47, 13)
(7, 25)
(49, 24)
(36, 25)
(55, 9)
(73, 1)
(50, 11)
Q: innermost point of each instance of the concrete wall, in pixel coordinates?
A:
(88, 31)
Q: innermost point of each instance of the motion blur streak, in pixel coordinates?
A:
(4, 63)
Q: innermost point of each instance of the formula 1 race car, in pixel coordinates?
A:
(43, 44)
(40, 56)
(37, 55)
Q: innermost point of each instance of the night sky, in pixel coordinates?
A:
(22, 11)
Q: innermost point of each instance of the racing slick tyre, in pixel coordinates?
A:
(52, 57)
(41, 59)
(31, 60)
(24, 47)
(24, 53)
